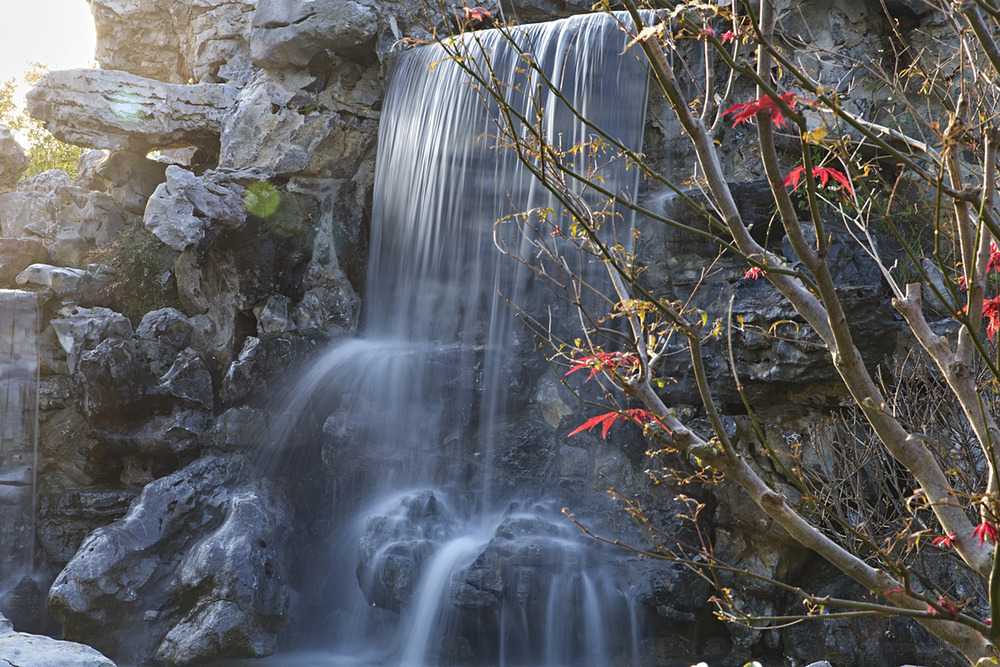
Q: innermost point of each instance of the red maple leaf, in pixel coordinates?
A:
(985, 530)
(604, 360)
(728, 37)
(609, 418)
(944, 540)
(824, 174)
(991, 311)
(754, 273)
(746, 112)
(994, 262)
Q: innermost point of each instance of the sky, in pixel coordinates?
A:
(57, 33)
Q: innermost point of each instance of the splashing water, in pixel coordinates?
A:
(400, 428)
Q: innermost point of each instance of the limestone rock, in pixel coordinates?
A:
(172, 42)
(129, 588)
(20, 649)
(13, 161)
(182, 208)
(81, 329)
(16, 255)
(128, 178)
(282, 125)
(121, 111)
(112, 379)
(290, 33)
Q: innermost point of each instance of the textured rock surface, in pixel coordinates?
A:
(19, 649)
(202, 528)
(13, 161)
(121, 111)
(172, 42)
(293, 32)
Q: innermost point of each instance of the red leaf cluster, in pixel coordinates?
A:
(477, 14)
(604, 360)
(984, 531)
(746, 112)
(824, 174)
(991, 311)
(754, 273)
(944, 540)
(949, 607)
(609, 418)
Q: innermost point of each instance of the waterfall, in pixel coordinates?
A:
(18, 433)
(407, 417)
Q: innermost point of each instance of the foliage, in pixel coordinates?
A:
(45, 152)
(936, 486)
(138, 266)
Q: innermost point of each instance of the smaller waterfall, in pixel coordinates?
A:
(19, 371)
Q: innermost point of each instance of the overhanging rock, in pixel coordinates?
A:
(121, 111)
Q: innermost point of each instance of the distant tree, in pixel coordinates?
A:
(44, 151)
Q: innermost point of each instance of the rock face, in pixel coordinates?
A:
(203, 529)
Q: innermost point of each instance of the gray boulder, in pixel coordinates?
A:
(195, 570)
(18, 254)
(20, 649)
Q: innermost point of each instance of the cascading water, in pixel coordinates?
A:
(18, 439)
(456, 566)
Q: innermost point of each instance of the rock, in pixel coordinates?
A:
(260, 363)
(19, 649)
(238, 428)
(34, 208)
(16, 255)
(274, 316)
(237, 576)
(130, 588)
(175, 43)
(129, 178)
(162, 335)
(395, 546)
(13, 161)
(65, 518)
(290, 33)
(182, 208)
(189, 381)
(121, 111)
(283, 125)
(112, 379)
(81, 329)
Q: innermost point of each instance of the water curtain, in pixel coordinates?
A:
(408, 414)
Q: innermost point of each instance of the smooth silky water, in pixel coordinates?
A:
(19, 381)
(401, 421)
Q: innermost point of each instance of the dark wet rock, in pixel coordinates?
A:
(66, 518)
(112, 379)
(195, 570)
(396, 545)
(260, 363)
